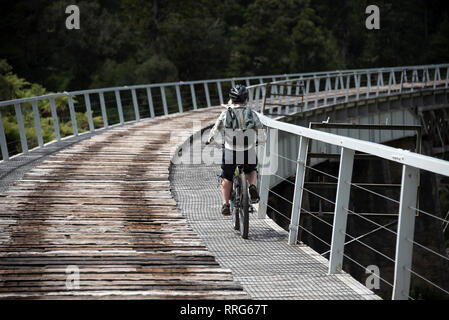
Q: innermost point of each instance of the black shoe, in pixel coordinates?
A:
(226, 209)
(253, 194)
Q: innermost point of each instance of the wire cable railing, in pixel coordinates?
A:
(352, 239)
(412, 164)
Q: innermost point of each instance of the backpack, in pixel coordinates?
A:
(240, 118)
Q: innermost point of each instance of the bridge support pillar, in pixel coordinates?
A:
(299, 187)
(406, 226)
(341, 210)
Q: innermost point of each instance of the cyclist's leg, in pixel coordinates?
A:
(250, 169)
(226, 187)
(227, 173)
(251, 176)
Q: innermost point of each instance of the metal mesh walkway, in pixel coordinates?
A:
(265, 265)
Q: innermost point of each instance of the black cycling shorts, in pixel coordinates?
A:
(231, 159)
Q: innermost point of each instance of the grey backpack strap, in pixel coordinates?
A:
(231, 120)
(249, 118)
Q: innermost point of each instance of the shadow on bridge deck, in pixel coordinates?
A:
(102, 209)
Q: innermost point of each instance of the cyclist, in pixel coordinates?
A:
(237, 118)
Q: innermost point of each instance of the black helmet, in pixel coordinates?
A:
(239, 93)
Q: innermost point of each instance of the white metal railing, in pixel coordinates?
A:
(156, 100)
(345, 86)
(185, 95)
(411, 163)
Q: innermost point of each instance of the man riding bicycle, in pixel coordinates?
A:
(238, 121)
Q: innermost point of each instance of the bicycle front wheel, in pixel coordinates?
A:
(244, 208)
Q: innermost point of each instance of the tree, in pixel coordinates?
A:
(282, 36)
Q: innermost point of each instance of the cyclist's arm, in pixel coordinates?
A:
(262, 138)
(217, 128)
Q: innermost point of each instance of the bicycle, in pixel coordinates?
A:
(240, 203)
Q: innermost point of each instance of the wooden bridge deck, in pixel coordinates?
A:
(104, 206)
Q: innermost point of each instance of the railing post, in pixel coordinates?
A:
(150, 102)
(54, 115)
(328, 87)
(265, 91)
(89, 112)
(119, 106)
(391, 81)
(178, 97)
(135, 104)
(37, 123)
(257, 98)
(297, 90)
(406, 227)
(447, 78)
(250, 97)
(336, 89)
(103, 110)
(164, 100)
(306, 103)
(436, 77)
(192, 91)
(265, 178)
(270, 88)
(206, 91)
(220, 93)
(403, 77)
(299, 188)
(264, 98)
(414, 78)
(380, 82)
(357, 84)
(342, 82)
(427, 75)
(317, 89)
(3, 144)
(348, 83)
(368, 84)
(341, 213)
(423, 83)
(23, 138)
(73, 115)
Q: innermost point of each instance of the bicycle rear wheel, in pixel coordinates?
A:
(234, 206)
(244, 207)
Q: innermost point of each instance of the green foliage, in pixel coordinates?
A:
(282, 36)
(13, 87)
(142, 41)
